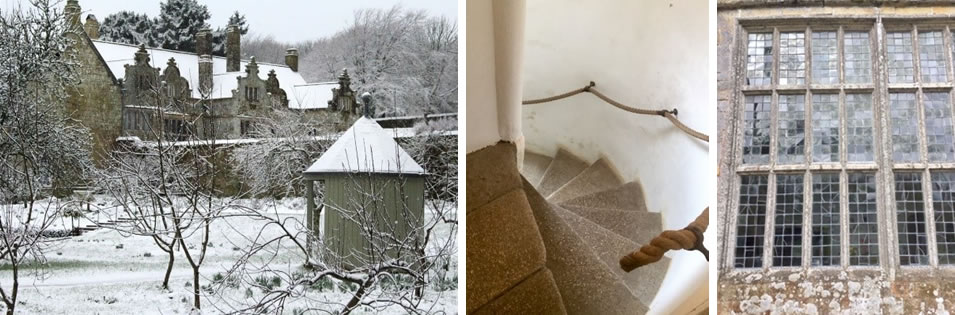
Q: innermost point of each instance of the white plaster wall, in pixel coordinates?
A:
(481, 99)
(651, 54)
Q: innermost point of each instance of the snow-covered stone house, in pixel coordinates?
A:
(128, 90)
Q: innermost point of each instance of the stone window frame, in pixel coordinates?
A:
(881, 166)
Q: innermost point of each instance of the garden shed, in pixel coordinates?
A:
(372, 197)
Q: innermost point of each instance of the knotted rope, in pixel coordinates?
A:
(669, 114)
(688, 238)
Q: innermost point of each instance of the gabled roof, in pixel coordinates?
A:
(118, 55)
(365, 148)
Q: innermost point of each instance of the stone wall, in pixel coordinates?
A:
(885, 289)
(96, 101)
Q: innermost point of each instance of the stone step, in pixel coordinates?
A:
(627, 197)
(534, 166)
(639, 227)
(537, 294)
(504, 247)
(491, 172)
(586, 285)
(564, 167)
(597, 177)
(609, 247)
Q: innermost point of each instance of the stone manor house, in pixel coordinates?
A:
(130, 91)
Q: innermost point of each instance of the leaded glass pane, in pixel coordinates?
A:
(825, 219)
(792, 129)
(863, 220)
(792, 58)
(904, 123)
(825, 127)
(932, 57)
(759, 59)
(859, 135)
(910, 211)
(751, 221)
(825, 58)
(858, 64)
(756, 120)
(938, 127)
(787, 240)
(900, 57)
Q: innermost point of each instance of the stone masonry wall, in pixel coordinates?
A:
(96, 102)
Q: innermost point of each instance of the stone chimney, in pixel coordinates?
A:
(204, 42)
(205, 75)
(72, 12)
(92, 27)
(291, 59)
(233, 56)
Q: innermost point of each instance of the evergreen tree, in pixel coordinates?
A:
(218, 37)
(178, 23)
(128, 27)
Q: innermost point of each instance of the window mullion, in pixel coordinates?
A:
(807, 55)
(844, 219)
(916, 60)
(929, 219)
(807, 205)
(840, 60)
(947, 51)
(888, 241)
(769, 231)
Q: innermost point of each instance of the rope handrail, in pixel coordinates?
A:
(669, 114)
(689, 238)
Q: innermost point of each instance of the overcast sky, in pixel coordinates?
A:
(287, 20)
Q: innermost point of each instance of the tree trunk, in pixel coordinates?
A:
(195, 287)
(356, 298)
(165, 279)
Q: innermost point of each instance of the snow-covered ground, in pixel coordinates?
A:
(93, 274)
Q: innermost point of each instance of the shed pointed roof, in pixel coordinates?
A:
(365, 148)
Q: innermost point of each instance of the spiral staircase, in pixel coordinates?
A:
(547, 237)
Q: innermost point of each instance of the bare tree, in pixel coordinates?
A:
(166, 188)
(41, 150)
(406, 59)
(404, 254)
(286, 143)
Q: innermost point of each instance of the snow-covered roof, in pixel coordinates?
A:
(365, 147)
(311, 96)
(118, 55)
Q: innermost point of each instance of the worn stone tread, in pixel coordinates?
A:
(564, 167)
(639, 227)
(597, 177)
(586, 285)
(504, 247)
(643, 282)
(491, 172)
(628, 197)
(538, 294)
(534, 166)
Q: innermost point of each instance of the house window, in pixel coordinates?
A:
(842, 158)
(175, 129)
(251, 94)
(136, 120)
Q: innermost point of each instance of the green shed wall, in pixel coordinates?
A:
(342, 199)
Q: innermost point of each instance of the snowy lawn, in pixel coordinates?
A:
(105, 271)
